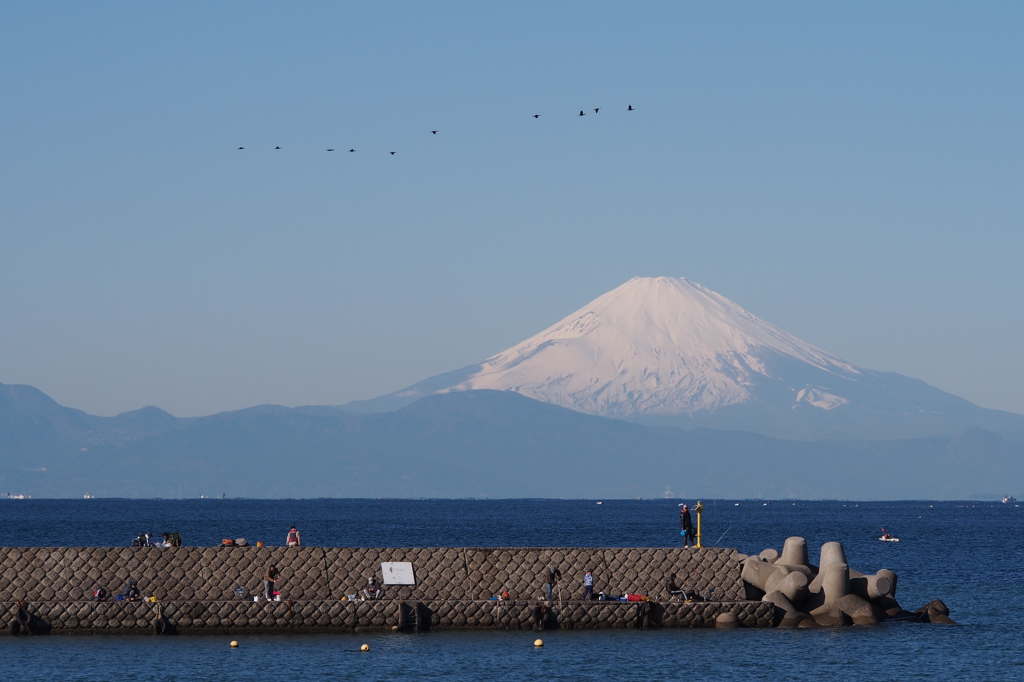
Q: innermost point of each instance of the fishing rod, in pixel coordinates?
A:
(703, 560)
(723, 535)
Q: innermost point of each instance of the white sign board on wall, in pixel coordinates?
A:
(397, 573)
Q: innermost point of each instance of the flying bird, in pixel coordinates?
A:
(391, 153)
(241, 147)
(581, 113)
(536, 115)
(434, 131)
(276, 147)
(630, 108)
(351, 150)
(597, 110)
(330, 150)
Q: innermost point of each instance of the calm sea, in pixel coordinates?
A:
(969, 554)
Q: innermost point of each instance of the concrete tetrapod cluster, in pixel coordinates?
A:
(829, 594)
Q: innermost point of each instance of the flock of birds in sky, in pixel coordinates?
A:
(582, 113)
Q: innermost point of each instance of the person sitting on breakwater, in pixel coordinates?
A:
(673, 588)
(270, 582)
(142, 540)
(550, 577)
(588, 586)
(293, 538)
(372, 589)
(100, 594)
(131, 592)
(686, 523)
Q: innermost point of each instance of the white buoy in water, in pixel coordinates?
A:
(234, 644)
(538, 643)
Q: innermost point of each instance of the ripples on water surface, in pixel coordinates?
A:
(968, 554)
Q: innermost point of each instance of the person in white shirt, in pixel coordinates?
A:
(588, 586)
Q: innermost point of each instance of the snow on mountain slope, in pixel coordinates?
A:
(655, 345)
(663, 350)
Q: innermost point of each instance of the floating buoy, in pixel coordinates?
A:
(234, 644)
(365, 647)
(538, 643)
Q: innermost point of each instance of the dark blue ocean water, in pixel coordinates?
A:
(971, 555)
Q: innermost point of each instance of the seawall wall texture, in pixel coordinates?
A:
(195, 588)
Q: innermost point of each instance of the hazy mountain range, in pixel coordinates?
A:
(613, 401)
(467, 444)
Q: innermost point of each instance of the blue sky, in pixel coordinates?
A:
(850, 172)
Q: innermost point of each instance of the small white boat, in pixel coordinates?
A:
(887, 538)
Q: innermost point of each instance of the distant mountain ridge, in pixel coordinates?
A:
(479, 443)
(658, 387)
(662, 350)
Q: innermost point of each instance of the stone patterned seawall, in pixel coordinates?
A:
(195, 588)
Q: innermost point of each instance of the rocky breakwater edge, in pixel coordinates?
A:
(830, 594)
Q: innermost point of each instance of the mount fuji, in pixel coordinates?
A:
(667, 351)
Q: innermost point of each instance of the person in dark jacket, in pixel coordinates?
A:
(550, 577)
(673, 588)
(131, 592)
(270, 582)
(687, 526)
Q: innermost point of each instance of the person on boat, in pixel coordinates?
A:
(885, 536)
(294, 540)
(686, 523)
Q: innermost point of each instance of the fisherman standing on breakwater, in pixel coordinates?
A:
(687, 526)
(293, 538)
(550, 577)
(270, 582)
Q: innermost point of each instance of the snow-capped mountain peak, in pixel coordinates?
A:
(655, 345)
(664, 350)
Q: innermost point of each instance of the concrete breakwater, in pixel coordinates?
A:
(226, 617)
(208, 589)
(829, 594)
